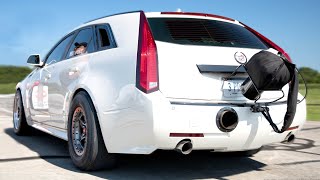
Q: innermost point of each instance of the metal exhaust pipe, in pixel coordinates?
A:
(289, 139)
(227, 119)
(184, 147)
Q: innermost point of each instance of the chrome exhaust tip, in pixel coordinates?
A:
(227, 119)
(184, 147)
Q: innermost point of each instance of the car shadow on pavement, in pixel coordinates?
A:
(300, 145)
(43, 144)
(159, 165)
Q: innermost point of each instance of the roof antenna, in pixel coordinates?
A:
(178, 10)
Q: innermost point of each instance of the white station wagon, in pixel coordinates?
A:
(136, 82)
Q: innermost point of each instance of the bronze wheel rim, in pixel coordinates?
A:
(79, 131)
(16, 113)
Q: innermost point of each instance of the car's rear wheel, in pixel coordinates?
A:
(86, 145)
(20, 125)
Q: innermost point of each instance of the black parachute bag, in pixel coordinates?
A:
(268, 72)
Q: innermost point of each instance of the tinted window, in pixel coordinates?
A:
(105, 37)
(203, 32)
(82, 44)
(57, 54)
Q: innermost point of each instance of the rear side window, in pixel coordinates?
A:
(202, 32)
(105, 38)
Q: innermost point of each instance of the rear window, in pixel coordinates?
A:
(202, 32)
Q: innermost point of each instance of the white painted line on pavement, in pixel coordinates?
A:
(5, 110)
(4, 117)
(6, 95)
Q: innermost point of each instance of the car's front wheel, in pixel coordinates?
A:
(86, 145)
(20, 125)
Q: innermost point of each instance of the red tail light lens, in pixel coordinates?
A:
(186, 135)
(268, 42)
(147, 60)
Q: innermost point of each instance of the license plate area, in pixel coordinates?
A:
(231, 87)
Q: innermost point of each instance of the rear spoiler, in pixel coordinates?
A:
(219, 69)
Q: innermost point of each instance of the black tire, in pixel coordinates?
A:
(20, 125)
(87, 153)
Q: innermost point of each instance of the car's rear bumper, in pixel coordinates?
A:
(146, 126)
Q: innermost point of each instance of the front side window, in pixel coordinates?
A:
(82, 44)
(57, 54)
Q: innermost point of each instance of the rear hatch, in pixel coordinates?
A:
(195, 55)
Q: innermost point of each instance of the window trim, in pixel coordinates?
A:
(113, 43)
(57, 44)
(75, 36)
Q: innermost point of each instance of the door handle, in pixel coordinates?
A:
(48, 76)
(73, 70)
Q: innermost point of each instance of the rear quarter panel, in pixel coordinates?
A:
(112, 70)
(111, 77)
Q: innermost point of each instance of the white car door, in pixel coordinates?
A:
(65, 75)
(36, 97)
(50, 85)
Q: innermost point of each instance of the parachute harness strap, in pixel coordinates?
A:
(265, 111)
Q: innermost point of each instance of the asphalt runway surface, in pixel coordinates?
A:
(41, 156)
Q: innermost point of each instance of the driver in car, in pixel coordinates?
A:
(80, 48)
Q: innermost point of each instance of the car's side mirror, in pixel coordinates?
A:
(34, 60)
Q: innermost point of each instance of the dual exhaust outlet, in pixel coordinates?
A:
(184, 147)
(289, 139)
(227, 120)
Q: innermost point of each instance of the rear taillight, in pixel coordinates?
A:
(147, 61)
(268, 42)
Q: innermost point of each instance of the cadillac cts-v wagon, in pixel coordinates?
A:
(136, 82)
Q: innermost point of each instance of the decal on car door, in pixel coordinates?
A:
(40, 97)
